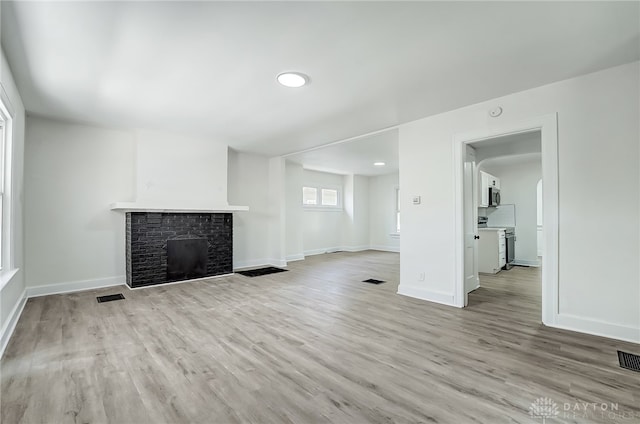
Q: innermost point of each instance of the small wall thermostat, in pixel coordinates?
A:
(494, 113)
(416, 200)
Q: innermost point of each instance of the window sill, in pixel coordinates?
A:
(322, 209)
(7, 276)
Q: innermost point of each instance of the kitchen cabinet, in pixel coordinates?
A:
(486, 180)
(491, 250)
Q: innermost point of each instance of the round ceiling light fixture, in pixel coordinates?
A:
(379, 163)
(293, 79)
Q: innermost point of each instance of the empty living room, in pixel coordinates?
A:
(319, 212)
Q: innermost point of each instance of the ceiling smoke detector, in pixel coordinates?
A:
(293, 79)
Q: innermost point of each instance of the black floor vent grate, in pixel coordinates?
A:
(373, 281)
(261, 271)
(629, 361)
(110, 298)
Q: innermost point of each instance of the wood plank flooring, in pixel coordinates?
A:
(311, 345)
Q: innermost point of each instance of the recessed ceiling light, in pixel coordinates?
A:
(293, 79)
(379, 163)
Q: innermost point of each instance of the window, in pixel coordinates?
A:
(321, 197)
(329, 197)
(309, 196)
(397, 210)
(6, 116)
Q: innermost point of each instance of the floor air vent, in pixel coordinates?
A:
(373, 281)
(261, 271)
(110, 298)
(629, 361)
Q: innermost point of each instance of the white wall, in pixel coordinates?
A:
(277, 212)
(248, 177)
(180, 170)
(518, 186)
(294, 213)
(355, 231)
(367, 214)
(382, 211)
(72, 174)
(322, 228)
(598, 133)
(12, 277)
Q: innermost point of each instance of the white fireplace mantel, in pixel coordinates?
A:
(172, 208)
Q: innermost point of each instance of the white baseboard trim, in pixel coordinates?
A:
(278, 262)
(239, 265)
(597, 328)
(251, 263)
(394, 249)
(45, 290)
(296, 257)
(526, 262)
(322, 251)
(429, 295)
(178, 282)
(355, 248)
(10, 325)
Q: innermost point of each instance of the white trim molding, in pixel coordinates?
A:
(12, 321)
(548, 127)
(526, 262)
(429, 295)
(239, 265)
(395, 249)
(75, 286)
(355, 248)
(254, 263)
(597, 328)
(193, 280)
(324, 250)
(296, 257)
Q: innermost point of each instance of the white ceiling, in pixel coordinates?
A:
(354, 157)
(209, 68)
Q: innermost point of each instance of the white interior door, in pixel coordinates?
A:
(471, 281)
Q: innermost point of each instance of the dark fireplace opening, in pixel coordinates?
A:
(187, 258)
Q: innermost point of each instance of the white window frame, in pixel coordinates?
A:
(7, 116)
(319, 205)
(317, 196)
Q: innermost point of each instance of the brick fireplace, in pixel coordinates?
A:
(163, 247)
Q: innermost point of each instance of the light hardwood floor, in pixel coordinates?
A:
(310, 345)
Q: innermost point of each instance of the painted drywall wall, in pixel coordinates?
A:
(294, 212)
(248, 177)
(518, 184)
(72, 174)
(322, 229)
(598, 133)
(13, 276)
(277, 212)
(355, 219)
(382, 210)
(180, 170)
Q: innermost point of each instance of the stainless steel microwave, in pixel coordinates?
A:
(494, 196)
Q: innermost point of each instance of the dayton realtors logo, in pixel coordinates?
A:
(544, 408)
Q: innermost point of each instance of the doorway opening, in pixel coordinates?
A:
(506, 171)
(531, 144)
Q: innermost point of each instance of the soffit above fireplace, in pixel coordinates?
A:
(173, 208)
